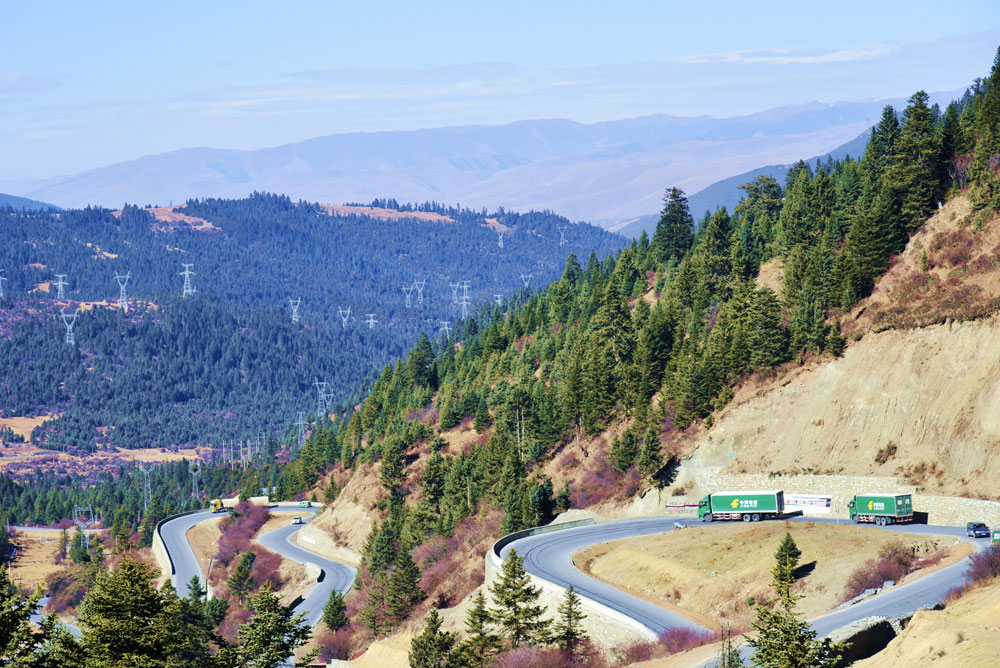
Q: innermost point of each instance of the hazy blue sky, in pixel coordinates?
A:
(84, 84)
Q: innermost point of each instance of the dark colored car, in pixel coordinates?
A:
(977, 530)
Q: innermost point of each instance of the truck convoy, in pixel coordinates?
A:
(746, 506)
(881, 509)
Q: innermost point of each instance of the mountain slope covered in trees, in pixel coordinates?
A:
(228, 361)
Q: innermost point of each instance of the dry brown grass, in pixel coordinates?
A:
(36, 557)
(24, 425)
(713, 573)
(384, 214)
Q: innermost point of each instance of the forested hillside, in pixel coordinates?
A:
(635, 350)
(229, 362)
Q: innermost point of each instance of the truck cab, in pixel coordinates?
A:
(704, 508)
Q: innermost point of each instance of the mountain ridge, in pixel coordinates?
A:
(603, 172)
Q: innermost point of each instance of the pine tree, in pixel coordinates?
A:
(673, 237)
(335, 612)
(783, 639)
(624, 451)
(269, 638)
(433, 647)
(482, 416)
(729, 654)
(127, 622)
(516, 608)
(480, 644)
(650, 456)
(373, 613)
(240, 581)
(403, 590)
(19, 643)
(196, 591)
(787, 549)
(567, 633)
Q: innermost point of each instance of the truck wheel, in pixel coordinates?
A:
(756, 517)
(707, 517)
(746, 518)
(880, 521)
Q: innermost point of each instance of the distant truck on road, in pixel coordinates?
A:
(746, 506)
(881, 509)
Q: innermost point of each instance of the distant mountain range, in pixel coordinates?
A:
(23, 203)
(603, 173)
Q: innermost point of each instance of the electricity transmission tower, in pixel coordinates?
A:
(371, 321)
(345, 316)
(526, 278)
(188, 289)
(454, 292)
(122, 282)
(195, 472)
(407, 289)
(295, 303)
(562, 234)
(83, 517)
(465, 307)
(498, 300)
(2, 280)
(61, 286)
(419, 285)
(322, 396)
(500, 238)
(446, 328)
(69, 321)
(302, 429)
(147, 487)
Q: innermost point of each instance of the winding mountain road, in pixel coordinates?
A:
(333, 575)
(549, 556)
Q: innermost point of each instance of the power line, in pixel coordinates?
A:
(188, 288)
(61, 285)
(70, 322)
(122, 282)
(83, 517)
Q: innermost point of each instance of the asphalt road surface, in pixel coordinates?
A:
(334, 574)
(549, 556)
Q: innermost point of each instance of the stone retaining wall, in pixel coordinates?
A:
(316, 540)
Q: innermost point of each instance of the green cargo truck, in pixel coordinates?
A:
(881, 509)
(746, 506)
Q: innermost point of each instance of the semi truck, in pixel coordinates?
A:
(881, 509)
(746, 506)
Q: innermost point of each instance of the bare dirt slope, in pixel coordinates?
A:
(916, 395)
(709, 575)
(966, 633)
(922, 404)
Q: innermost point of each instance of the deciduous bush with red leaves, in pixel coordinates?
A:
(238, 529)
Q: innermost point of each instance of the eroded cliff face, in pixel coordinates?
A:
(922, 404)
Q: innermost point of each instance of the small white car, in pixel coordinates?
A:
(296, 520)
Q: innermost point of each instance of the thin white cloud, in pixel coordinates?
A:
(845, 54)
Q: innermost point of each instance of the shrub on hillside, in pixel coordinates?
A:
(985, 565)
(895, 560)
(238, 529)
